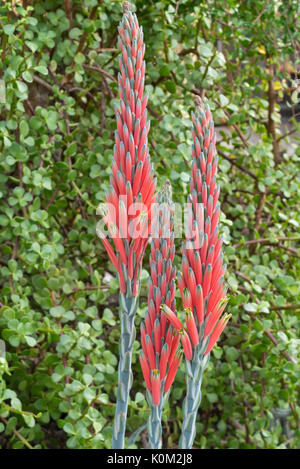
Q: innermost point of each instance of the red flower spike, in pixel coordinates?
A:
(160, 343)
(202, 266)
(155, 386)
(131, 137)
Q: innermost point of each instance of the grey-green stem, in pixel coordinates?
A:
(128, 306)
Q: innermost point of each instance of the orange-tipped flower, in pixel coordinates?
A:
(199, 304)
(164, 361)
(186, 344)
(191, 326)
(172, 371)
(171, 317)
(145, 369)
(217, 332)
(150, 353)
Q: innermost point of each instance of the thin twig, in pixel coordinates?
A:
(95, 68)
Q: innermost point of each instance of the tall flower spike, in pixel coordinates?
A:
(159, 358)
(129, 199)
(202, 283)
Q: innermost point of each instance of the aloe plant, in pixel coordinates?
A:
(160, 357)
(201, 284)
(132, 188)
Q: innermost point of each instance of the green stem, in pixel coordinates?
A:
(128, 306)
(191, 403)
(154, 422)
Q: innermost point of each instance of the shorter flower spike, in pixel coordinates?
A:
(159, 338)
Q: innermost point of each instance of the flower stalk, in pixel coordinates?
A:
(129, 199)
(159, 356)
(201, 284)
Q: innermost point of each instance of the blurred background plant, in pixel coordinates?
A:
(58, 295)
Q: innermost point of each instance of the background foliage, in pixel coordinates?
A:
(58, 292)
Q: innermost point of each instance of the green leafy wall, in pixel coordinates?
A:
(58, 292)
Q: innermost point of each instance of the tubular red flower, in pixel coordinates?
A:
(174, 346)
(186, 344)
(199, 304)
(217, 332)
(111, 253)
(191, 327)
(150, 352)
(172, 371)
(187, 298)
(164, 361)
(157, 336)
(155, 386)
(146, 370)
(171, 316)
(213, 318)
